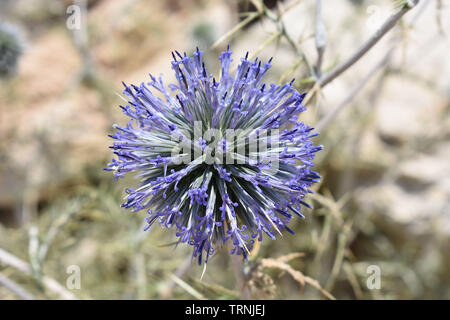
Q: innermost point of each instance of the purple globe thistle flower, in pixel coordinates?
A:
(185, 181)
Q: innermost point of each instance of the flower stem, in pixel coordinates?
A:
(240, 276)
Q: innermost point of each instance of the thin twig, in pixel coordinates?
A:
(15, 288)
(182, 270)
(438, 17)
(387, 25)
(269, 40)
(291, 256)
(261, 11)
(187, 287)
(297, 49)
(141, 276)
(353, 92)
(236, 28)
(49, 283)
(353, 280)
(216, 288)
(342, 242)
(297, 275)
(241, 279)
(56, 226)
(278, 21)
(320, 37)
(419, 12)
(33, 249)
(322, 245)
(291, 69)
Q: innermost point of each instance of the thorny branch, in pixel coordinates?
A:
(320, 38)
(387, 25)
(353, 92)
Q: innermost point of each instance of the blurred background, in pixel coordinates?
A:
(381, 209)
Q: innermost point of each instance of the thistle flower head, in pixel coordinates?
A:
(219, 160)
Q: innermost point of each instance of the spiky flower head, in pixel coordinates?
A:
(219, 160)
(11, 48)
